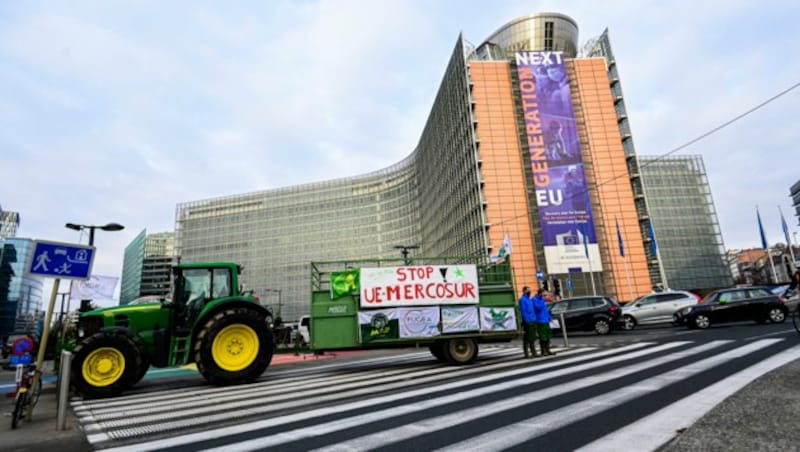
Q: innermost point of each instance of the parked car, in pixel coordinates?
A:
(598, 314)
(734, 305)
(656, 307)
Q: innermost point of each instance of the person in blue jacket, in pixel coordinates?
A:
(528, 322)
(542, 313)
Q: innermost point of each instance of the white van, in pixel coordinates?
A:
(304, 329)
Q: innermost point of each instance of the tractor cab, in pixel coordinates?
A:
(194, 286)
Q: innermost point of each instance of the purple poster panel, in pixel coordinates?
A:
(565, 211)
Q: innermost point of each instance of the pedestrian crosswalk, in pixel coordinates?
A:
(410, 401)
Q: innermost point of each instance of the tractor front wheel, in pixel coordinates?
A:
(234, 346)
(105, 364)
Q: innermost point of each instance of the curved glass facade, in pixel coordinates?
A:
(275, 234)
(543, 31)
(432, 199)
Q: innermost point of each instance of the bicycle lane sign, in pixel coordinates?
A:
(60, 260)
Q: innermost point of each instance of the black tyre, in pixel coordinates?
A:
(105, 364)
(776, 315)
(19, 409)
(234, 346)
(143, 368)
(602, 326)
(628, 323)
(701, 321)
(460, 351)
(437, 350)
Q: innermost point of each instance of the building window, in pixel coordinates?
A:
(548, 36)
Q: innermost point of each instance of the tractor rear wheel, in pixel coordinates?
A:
(234, 346)
(143, 368)
(461, 351)
(105, 364)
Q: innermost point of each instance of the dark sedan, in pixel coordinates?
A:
(738, 304)
(596, 313)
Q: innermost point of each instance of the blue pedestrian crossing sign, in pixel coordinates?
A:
(540, 275)
(60, 260)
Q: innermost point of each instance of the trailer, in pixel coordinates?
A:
(449, 304)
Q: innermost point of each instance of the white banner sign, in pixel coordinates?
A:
(424, 285)
(498, 319)
(94, 288)
(456, 319)
(418, 322)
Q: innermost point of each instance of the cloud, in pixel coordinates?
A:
(119, 112)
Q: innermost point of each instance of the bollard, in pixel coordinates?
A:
(564, 330)
(63, 389)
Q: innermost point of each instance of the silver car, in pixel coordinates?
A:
(656, 308)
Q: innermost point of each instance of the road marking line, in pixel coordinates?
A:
(523, 431)
(428, 425)
(655, 430)
(257, 425)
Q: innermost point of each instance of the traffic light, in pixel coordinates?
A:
(545, 285)
(557, 287)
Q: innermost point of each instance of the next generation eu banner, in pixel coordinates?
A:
(562, 196)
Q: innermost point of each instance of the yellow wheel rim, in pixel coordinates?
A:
(235, 347)
(103, 366)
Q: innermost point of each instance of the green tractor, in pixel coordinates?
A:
(207, 321)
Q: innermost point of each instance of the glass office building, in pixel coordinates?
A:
(132, 262)
(146, 266)
(794, 193)
(20, 295)
(685, 222)
(471, 181)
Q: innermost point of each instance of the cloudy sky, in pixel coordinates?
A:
(117, 111)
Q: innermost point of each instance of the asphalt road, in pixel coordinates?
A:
(653, 387)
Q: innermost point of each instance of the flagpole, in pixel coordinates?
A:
(786, 234)
(772, 264)
(628, 277)
(658, 256)
(624, 259)
(586, 250)
(765, 246)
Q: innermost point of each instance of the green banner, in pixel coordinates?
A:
(379, 325)
(345, 283)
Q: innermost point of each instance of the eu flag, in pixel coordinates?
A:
(785, 229)
(619, 240)
(653, 244)
(761, 230)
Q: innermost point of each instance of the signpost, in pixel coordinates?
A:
(57, 260)
(60, 260)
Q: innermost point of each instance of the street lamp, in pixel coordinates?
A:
(404, 251)
(107, 227)
(91, 228)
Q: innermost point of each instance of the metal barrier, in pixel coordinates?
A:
(564, 330)
(63, 389)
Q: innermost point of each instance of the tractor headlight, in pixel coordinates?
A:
(80, 333)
